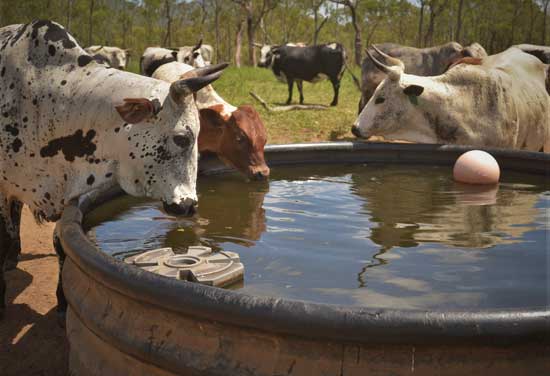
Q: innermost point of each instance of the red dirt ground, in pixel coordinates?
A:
(31, 341)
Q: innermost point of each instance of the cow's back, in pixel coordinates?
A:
(507, 94)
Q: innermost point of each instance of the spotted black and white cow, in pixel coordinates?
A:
(114, 56)
(69, 125)
(309, 63)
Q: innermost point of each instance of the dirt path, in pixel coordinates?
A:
(31, 341)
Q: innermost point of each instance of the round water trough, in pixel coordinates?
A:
(124, 320)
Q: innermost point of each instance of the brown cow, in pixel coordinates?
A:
(236, 135)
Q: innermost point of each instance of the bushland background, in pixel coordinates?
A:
(233, 26)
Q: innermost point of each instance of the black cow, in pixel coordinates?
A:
(311, 63)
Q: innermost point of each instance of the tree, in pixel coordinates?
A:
(420, 23)
(544, 4)
(252, 22)
(315, 6)
(167, 41)
(459, 20)
(90, 22)
(436, 7)
(352, 7)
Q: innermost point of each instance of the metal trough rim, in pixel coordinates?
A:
(308, 319)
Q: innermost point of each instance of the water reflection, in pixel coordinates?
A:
(229, 210)
(410, 209)
(375, 235)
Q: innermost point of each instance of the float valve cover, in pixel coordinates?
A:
(199, 265)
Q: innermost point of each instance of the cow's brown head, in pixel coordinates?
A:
(238, 139)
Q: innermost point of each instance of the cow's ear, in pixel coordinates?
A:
(211, 117)
(136, 110)
(413, 90)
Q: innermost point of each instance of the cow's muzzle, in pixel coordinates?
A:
(356, 132)
(185, 208)
(259, 174)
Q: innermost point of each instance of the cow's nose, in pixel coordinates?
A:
(355, 131)
(185, 208)
(261, 174)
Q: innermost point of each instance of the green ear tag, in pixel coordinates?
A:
(413, 99)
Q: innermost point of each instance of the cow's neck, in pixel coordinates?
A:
(76, 135)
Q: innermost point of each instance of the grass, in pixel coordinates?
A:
(292, 126)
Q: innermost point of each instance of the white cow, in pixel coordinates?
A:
(502, 102)
(116, 57)
(70, 126)
(154, 57)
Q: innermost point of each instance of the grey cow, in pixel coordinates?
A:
(430, 61)
(69, 125)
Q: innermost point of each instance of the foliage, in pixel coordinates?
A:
(136, 24)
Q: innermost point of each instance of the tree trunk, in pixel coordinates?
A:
(532, 20)
(168, 37)
(544, 22)
(239, 43)
(90, 22)
(69, 14)
(217, 28)
(420, 24)
(459, 21)
(250, 34)
(428, 38)
(316, 26)
(358, 42)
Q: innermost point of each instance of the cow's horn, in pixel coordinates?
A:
(394, 73)
(196, 80)
(197, 46)
(389, 59)
(258, 45)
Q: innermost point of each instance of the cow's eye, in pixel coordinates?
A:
(379, 100)
(195, 55)
(182, 141)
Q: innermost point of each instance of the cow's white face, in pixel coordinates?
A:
(160, 160)
(398, 110)
(266, 56)
(119, 58)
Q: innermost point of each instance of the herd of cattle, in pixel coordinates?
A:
(73, 120)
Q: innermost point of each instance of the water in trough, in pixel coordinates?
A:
(377, 235)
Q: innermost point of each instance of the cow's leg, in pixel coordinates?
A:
(336, 86)
(290, 82)
(9, 240)
(300, 89)
(12, 257)
(61, 301)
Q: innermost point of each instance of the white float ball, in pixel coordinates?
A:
(476, 167)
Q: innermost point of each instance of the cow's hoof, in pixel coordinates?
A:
(334, 104)
(61, 318)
